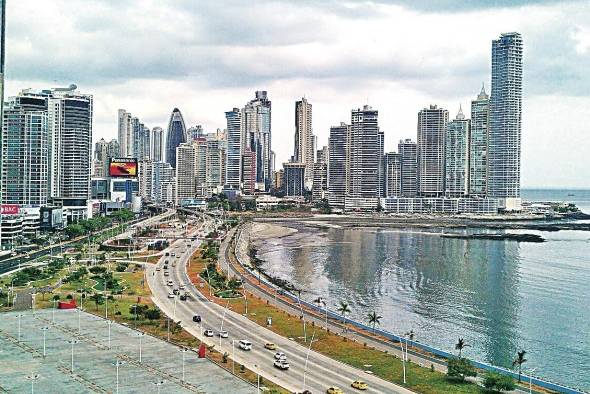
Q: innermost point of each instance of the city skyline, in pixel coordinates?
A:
(447, 71)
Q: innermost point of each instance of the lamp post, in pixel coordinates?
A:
(233, 356)
(140, 335)
(44, 329)
(222, 320)
(109, 323)
(32, 377)
(53, 311)
(72, 342)
(531, 380)
(79, 323)
(117, 364)
(183, 350)
(306, 359)
(257, 379)
(168, 319)
(19, 316)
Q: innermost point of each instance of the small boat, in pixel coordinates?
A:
(571, 195)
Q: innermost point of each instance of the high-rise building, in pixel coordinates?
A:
(176, 135)
(408, 151)
(69, 116)
(2, 42)
(195, 132)
(392, 174)
(366, 154)
(457, 156)
(294, 178)
(505, 120)
(338, 151)
(216, 154)
(432, 123)
(125, 134)
(256, 125)
(304, 139)
(186, 169)
(235, 149)
(156, 181)
(320, 175)
(478, 144)
(25, 154)
(103, 152)
(157, 144)
(249, 172)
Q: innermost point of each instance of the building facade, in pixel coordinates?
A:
(304, 139)
(432, 123)
(235, 149)
(408, 151)
(457, 156)
(256, 126)
(478, 144)
(294, 178)
(392, 174)
(338, 165)
(175, 136)
(504, 146)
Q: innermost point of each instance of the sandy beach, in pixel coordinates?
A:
(261, 231)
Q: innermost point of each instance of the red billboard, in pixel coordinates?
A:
(10, 209)
(123, 167)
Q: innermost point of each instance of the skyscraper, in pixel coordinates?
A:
(235, 149)
(125, 133)
(457, 156)
(186, 168)
(157, 144)
(69, 116)
(432, 122)
(256, 124)
(478, 144)
(294, 178)
(25, 154)
(408, 152)
(176, 135)
(103, 152)
(392, 174)
(304, 138)
(366, 153)
(505, 120)
(320, 175)
(338, 151)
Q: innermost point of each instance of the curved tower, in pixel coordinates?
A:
(176, 136)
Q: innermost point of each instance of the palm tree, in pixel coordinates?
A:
(519, 360)
(373, 318)
(460, 345)
(344, 309)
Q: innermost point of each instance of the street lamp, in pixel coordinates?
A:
(531, 380)
(140, 335)
(233, 356)
(109, 323)
(307, 358)
(19, 316)
(183, 350)
(158, 384)
(117, 364)
(72, 342)
(257, 379)
(53, 311)
(32, 377)
(44, 329)
(79, 318)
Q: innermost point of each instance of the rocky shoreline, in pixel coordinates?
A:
(498, 237)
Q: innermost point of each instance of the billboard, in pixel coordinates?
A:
(123, 167)
(10, 209)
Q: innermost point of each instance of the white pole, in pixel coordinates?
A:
(117, 366)
(174, 314)
(140, 335)
(79, 325)
(44, 329)
(53, 312)
(222, 320)
(531, 380)
(307, 358)
(109, 322)
(233, 356)
(19, 316)
(72, 342)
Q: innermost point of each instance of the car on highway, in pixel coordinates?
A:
(280, 356)
(158, 269)
(208, 333)
(360, 385)
(165, 267)
(197, 318)
(245, 345)
(270, 346)
(171, 295)
(176, 291)
(281, 364)
(172, 254)
(223, 334)
(167, 253)
(166, 273)
(182, 286)
(334, 390)
(170, 283)
(173, 265)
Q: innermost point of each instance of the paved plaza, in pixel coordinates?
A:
(22, 363)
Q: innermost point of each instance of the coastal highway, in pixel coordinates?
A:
(321, 373)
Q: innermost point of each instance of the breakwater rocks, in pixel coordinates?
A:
(498, 237)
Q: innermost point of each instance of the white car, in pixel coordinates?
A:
(245, 345)
(280, 356)
(166, 273)
(182, 287)
(281, 364)
(223, 334)
(171, 295)
(158, 269)
(208, 333)
(170, 283)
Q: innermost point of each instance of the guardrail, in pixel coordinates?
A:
(397, 338)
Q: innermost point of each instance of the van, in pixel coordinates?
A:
(245, 345)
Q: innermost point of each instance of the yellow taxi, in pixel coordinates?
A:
(359, 385)
(270, 346)
(334, 390)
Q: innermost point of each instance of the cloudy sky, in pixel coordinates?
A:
(206, 57)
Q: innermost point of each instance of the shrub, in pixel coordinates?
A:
(460, 368)
(496, 382)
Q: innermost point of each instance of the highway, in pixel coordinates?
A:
(321, 373)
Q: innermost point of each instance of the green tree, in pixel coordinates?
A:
(373, 318)
(97, 298)
(344, 309)
(460, 345)
(519, 360)
(496, 382)
(152, 314)
(460, 368)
